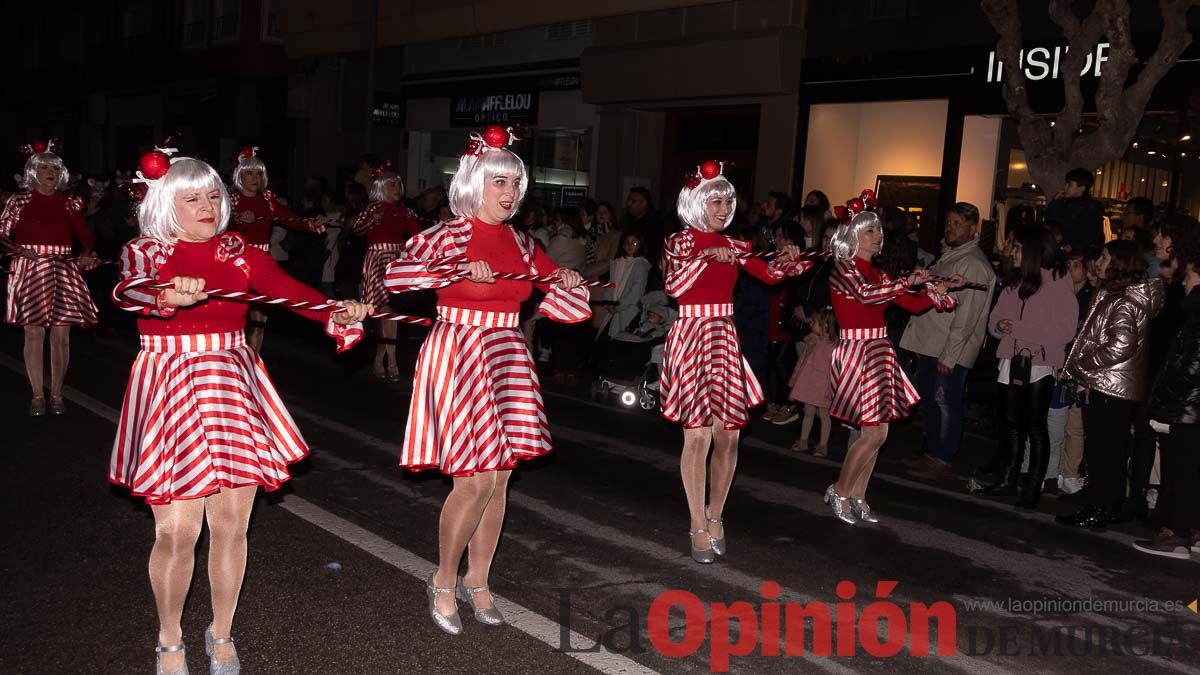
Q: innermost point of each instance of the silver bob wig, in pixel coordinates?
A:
(157, 216)
(38, 160)
(845, 241)
(466, 188)
(249, 164)
(379, 183)
(690, 206)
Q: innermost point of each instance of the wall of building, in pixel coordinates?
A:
(851, 144)
(977, 165)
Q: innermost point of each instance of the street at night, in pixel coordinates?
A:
(339, 557)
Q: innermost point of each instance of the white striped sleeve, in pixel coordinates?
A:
(414, 269)
(137, 262)
(846, 279)
(680, 269)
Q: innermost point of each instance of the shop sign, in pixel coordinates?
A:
(572, 197)
(1040, 63)
(388, 110)
(509, 108)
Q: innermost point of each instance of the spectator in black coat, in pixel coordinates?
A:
(1081, 217)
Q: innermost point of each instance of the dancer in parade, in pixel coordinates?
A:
(869, 388)
(46, 292)
(706, 384)
(201, 427)
(387, 224)
(476, 408)
(255, 211)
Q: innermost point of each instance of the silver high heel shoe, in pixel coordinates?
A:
(838, 504)
(718, 545)
(704, 556)
(451, 624)
(160, 650)
(488, 615)
(863, 514)
(215, 667)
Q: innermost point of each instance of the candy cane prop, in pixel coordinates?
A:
(242, 296)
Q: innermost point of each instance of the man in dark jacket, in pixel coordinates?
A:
(1081, 217)
(1174, 411)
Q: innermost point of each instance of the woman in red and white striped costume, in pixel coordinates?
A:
(387, 224)
(869, 387)
(255, 211)
(202, 427)
(707, 385)
(476, 407)
(45, 289)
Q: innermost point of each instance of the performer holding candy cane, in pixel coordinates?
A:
(46, 290)
(706, 384)
(476, 408)
(387, 224)
(255, 211)
(201, 427)
(869, 388)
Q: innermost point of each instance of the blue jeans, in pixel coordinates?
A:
(942, 411)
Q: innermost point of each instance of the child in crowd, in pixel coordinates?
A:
(811, 381)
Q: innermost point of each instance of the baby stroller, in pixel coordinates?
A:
(629, 364)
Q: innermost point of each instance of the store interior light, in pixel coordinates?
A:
(1152, 151)
(1099, 172)
(1135, 145)
(1186, 136)
(1051, 124)
(1164, 183)
(1143, 180)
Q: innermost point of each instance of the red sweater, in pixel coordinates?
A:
(715, 282)
(32, 218)
(862, 292)
(223, 262)
(386, 223)
(267, 210)
(497, 246)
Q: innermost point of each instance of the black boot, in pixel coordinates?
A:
(1029, 494)
(1007, 487)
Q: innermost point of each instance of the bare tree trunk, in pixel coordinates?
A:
(1053, 147)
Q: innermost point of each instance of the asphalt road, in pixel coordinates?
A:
(595, 534)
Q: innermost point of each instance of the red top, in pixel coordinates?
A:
(715, 284)
(32, 218)
(496, 245)
(862, 292)
(223, 262)
(267, 210)
(387, 223)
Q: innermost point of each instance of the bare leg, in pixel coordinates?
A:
(228, 518)
(724, 464)
(60, 356)
(34, 364)
(482, 546)
(254, 334)
(693, 465)
(388, 330)
(806, 426)
(826, 427)
(860, 462)
(176, 528)
(461, 514)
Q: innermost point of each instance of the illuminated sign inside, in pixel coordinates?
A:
(1041, 63)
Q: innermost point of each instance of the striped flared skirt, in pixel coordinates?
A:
(200, 414)
(374, 267)
(705, 378)
(476, 403)
(869, 387)
(48, 291)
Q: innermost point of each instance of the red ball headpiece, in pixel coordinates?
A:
(707, 170)
(38, 147)
(495, 137)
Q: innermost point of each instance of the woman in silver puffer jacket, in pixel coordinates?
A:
(1108, 360)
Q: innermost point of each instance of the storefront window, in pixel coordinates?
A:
(555, 158)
